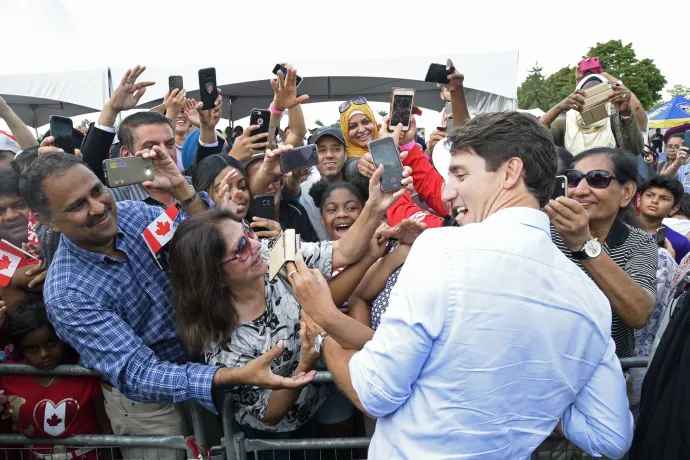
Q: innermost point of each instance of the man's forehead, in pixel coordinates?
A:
(154, 132)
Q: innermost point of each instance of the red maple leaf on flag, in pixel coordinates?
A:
(162, 228)
(5, 262)
(54, 420)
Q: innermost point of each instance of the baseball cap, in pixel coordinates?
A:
(327, 131)
(8, 144)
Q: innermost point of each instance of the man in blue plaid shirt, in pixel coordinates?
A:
(108, 299)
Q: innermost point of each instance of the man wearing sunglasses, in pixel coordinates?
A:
(679, 167)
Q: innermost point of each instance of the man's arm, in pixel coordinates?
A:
(19, 130)
(298, 128)
(599, 421)
(379, 378)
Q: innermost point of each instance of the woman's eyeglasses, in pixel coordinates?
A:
(597, 178)
(244, 246)
(359, 100)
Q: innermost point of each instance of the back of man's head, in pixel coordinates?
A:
(9, 183)
(25, 158)
(684, 210)
(498, 137)
(132, 122)
(31, 185)
(666, 183)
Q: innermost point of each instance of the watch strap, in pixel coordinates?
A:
(194, 196)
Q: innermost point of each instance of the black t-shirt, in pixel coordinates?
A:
(293, 215)
(657, 142)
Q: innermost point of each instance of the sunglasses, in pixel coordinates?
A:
(244, 247)
(359, 100)
(597, 178)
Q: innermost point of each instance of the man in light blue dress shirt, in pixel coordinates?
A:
(492, 339)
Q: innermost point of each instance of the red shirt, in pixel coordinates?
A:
(63, 409)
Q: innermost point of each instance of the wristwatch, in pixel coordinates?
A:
(189, 200)
(317, 342)
(590, 250)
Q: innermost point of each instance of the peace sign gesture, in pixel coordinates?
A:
(127, 95)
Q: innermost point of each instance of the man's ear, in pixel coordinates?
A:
(48, 221)
(124, 152)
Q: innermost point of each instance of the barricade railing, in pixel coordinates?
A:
(237, 445)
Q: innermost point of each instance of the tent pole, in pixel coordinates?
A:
(34, 120)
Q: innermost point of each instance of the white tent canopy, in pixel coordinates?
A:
(491, 82)
(35, 97)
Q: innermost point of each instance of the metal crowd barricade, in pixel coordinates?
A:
(238, 446)
(99, 442)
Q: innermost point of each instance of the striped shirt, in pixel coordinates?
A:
(635, 252)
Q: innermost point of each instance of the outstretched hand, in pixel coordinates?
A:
(128, 94)
(285, 90)
(258, 372)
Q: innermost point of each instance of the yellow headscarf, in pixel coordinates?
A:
(354, 150)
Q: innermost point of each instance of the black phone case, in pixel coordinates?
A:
(260, 115)
(62, 130)
(296, 159)
(392, 177)
(175, 82)
(438, 73)
(207, 87)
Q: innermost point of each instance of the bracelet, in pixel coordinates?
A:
(273, 109)
(409, 146)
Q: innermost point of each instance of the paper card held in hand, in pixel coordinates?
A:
(287, 245)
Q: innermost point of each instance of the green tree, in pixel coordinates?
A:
(642, 77)
(318, 122)
(679, 90)
(383, 113)
(533, 92)
(559, 85)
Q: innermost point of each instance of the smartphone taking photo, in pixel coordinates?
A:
(299, 158)
(385, 152)
(207, 87)
(438, 73)
(263, 207)
(402, 101)
(283, 69)
(127, 171)
(661, 237)
(175, 82)
(61, 129)
(561, 187)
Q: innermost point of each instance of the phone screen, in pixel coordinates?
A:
(686, 139)
(207, 87)
(300, 158)
(384, 152)
(61, 130)
(283, 69)
(401, 111)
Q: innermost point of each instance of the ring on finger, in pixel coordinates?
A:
(292, 273)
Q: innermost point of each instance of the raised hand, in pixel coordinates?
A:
(128, 94)
(209, 118)
(174, 102)
(167, 175)
(191, 112)
(285, 90)
(47, 147)
(384, 200)
(247, 145)
(571, 221)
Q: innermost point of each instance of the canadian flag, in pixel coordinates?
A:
(33, 238)
(161, 230)
(10, 258)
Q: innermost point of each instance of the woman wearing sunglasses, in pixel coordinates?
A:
(621, 260)
(228, 310)
(359, 127)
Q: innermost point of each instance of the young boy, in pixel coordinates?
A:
(659, 197)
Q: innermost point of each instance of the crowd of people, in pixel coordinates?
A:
(471, 313)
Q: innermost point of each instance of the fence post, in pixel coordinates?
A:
(228, 431)
(198, 425)
(240, 446)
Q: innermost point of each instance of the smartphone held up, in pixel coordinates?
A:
(127, 171)
(438, 73)
(283, 69)
(385, 152)
(402, 102)
(208, 89)
(61, 129)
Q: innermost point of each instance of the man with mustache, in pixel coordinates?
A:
(106, 296)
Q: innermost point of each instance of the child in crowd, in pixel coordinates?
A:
(50, 406)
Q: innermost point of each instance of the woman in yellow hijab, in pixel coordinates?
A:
(358, 125)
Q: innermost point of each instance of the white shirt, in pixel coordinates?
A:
(681, 226)
(491, 337)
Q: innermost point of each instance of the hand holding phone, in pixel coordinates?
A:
(561, 188)
(262, 119)
(438, 73)
(284, 70)
(175, 82)
(127, 171)
(661, 237)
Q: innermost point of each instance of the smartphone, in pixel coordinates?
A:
(263, 206)
(61, 129)
(283, 69)
(561, 188)
(175, 82)
(384, 152)
(686, 139)
(438, 73)
(207, 87)
(402, 101)
(590, 66)
(262, 118)
(661, 236)
(127, 171)
(299, 158)
(449, 117)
